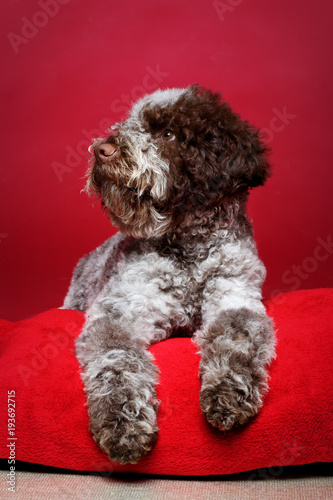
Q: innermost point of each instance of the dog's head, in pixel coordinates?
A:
(181, 153)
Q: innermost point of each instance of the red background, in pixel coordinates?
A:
(77, 67)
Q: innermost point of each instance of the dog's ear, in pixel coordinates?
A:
(244, 154)
(235, 152)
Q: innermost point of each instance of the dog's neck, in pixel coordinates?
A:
(198, 225)
(228, 221)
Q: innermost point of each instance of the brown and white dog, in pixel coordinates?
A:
(174, 177)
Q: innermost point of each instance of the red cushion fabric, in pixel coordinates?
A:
(294, 427)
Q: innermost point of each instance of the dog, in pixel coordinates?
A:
(174, 177)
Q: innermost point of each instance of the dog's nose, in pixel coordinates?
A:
(103, 152)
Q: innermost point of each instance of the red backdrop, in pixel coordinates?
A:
(70, 68)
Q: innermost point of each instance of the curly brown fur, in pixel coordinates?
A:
(215, 153)
(213, 157)
(174, 177)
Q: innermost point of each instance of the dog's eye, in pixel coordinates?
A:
(168, 135)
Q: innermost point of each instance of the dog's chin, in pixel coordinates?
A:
(134, 215)
(138, 229)
(129, 200)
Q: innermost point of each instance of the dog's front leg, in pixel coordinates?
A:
(119, 377)
(236, 344)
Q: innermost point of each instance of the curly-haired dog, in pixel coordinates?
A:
(174, 177)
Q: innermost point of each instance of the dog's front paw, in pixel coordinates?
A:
(124, 427)
(125, 441)
(227, 403)
(122, 404)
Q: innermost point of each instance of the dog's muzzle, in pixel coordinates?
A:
(105, 152)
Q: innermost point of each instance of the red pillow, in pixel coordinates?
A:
(40, 373)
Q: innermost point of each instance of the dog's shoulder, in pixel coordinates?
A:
(93, 270)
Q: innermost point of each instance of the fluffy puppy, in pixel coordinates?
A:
(174, 177)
